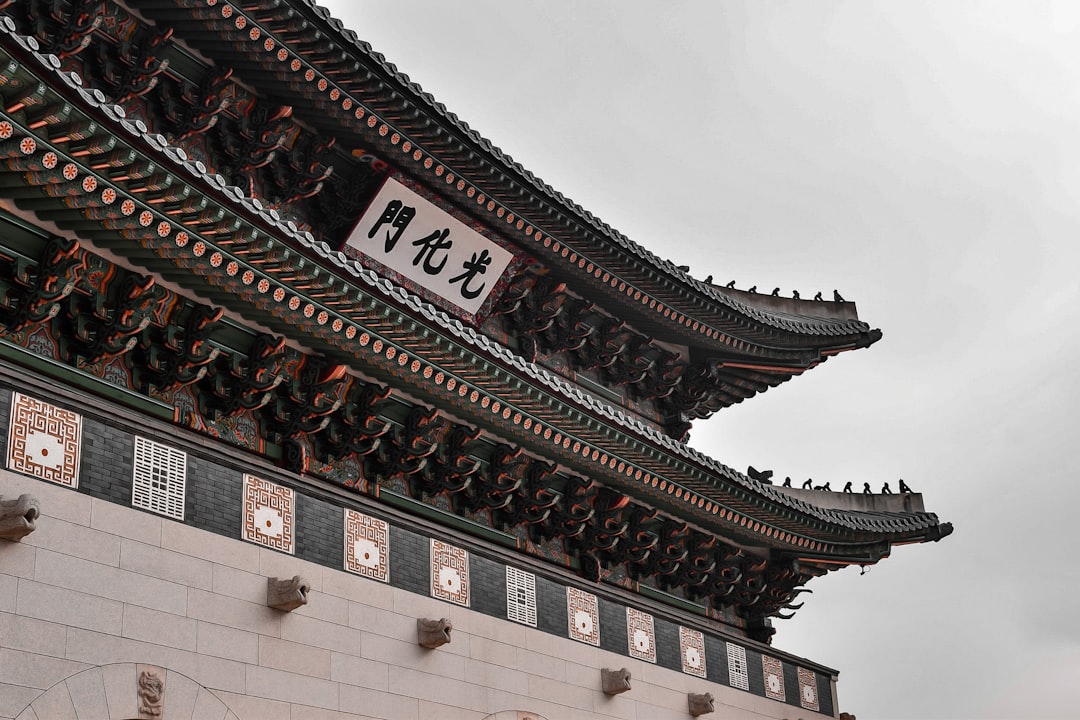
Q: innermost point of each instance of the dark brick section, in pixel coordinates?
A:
(487, 586)
(753, 669)
(613, 627)
(410, 561)
(668, 650)
(551, 614)
(320, 532)
(791, 685)
(5, 418)
(716, 667)
(824, 694)
(215, 497)
(107, 462)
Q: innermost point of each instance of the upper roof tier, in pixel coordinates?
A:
(297, 54)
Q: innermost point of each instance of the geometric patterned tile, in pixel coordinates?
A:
(449, 573)
(692, 649)
(583, 615)
(736, 663)
(160, 478)
(520, 596)
(269, 514)
(367, 546)
(773, 670)
(45, 441)
(641, 635)
(808, 689)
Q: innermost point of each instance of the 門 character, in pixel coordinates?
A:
(399, 216)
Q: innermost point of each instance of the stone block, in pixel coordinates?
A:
(326, 607)
(9, 592)
(436, 687)
(202, 544)
(15, 698)
(119, 681)
(55, 501)
(36, 671)
(78, 541)
(359, 671)
(319, 633)
(222, 610)
(380, 704)
(159, 628)
(113, 583)
(208, 706)
(291, 688)
(240, 584)
(180, 695)
(293, 657)
(166, 564)
(226, 642)
(69, 607)
(55, 704)
(246, 706)
(87, 690)
(32, 635)
(125, 522)
(18, 559)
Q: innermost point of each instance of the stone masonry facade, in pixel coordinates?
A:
(103, 600)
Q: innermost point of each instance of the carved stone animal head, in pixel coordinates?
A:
(18, 517)
(287, 594)
(700, 703)
(433, 633)
(614, 682)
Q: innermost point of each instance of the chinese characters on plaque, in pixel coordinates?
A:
(427, 245)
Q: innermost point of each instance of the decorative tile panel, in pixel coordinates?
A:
(692, 650)
(367, 546)
(773, 670)
(583, 612)
(808, 690)
(449, 573)
(736, 664)
(45, 441)
(520, 596)
(160, 478)
(269, 514)
(641, 635)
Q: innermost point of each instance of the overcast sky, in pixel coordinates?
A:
(924, 159)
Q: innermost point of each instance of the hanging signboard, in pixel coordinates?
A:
(430, 247)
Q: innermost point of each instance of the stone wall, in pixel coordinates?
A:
(100, 594)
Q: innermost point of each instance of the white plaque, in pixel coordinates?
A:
(430, 247)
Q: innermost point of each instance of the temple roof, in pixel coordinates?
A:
(453, 159)
(234, 251)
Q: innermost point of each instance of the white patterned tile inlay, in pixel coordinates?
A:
(44, 441)
(520, 596)
(773, 670)
(808, 690)
(160, 478)
(367, 546)
(736, 667)
(449, 573)
(692, 649)
(641, 635)
(583, 616)
(269, 514)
